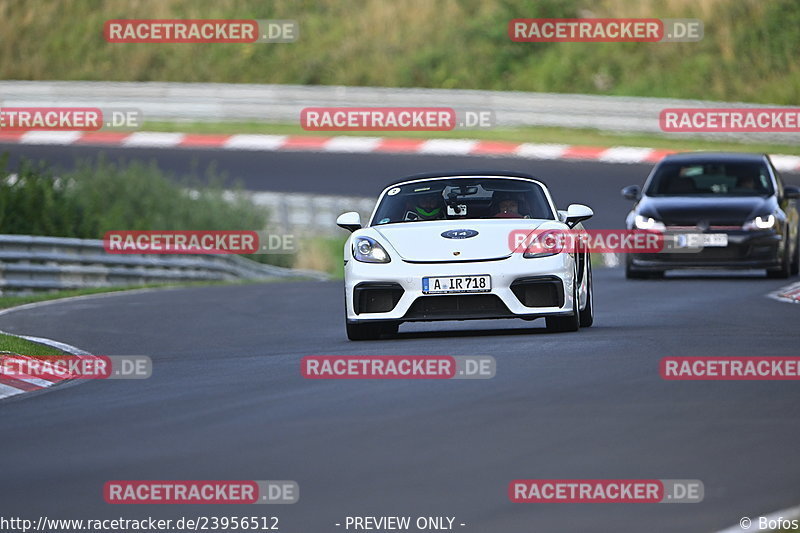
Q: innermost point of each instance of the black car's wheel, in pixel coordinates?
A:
(632, 273)
(783, 271)
(795, 267)
(370, 330)
(558, 324)
(587, 315)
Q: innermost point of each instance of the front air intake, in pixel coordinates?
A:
(547, 291)
(376, 297)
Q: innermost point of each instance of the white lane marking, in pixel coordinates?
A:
(254, 142)
(35, 381)
(54, 344)
(352, 144)
(50, 137)
(616, 154)
(541, 151)
(789, 293)
(786, 163)
(6, 391)
(447, 146)
(625, 154)
(153, 139)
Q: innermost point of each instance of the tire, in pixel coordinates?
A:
(631, 273)
(561, 324)
(783, 271)
(371, 330)
(795, 267)
(587, 315)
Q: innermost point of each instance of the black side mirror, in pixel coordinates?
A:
(791, 193)
(631, 192)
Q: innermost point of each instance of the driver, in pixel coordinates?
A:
(508, 206)
(427, 207)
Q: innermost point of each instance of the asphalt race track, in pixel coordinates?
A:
(227, 401)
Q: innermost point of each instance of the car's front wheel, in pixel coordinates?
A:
(633, 273)
(572, 322)
(360, 331)
(587, 315)
(783, 271)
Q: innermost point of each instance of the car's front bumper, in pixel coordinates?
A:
(397, 290)
(745, 250)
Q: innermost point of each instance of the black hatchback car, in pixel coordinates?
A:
(734, 207)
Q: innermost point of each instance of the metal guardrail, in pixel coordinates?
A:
(30, 263)
(309, 214)
(283, 103)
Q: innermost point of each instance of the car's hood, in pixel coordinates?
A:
(690, 211)
(423, 241)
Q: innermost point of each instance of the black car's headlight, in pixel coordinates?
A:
(368, 250)
(642, 222)
(760, 223)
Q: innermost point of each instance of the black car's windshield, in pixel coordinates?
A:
(463, 199)
(710, 179)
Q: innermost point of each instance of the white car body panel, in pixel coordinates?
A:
(418, 250)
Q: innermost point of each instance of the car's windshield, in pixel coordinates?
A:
(463, 199)
(710, 178)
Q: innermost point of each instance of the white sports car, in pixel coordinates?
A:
(444, 247)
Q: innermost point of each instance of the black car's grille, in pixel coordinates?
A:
(706, 254)
(728, 253)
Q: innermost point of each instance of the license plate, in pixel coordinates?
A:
(712, 240)
(452, 284)
(705, 240)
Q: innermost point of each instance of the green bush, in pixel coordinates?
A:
(101, 196)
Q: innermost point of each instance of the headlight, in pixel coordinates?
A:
(641, 222)
(762, 222)
(546, 244)
(368, 250)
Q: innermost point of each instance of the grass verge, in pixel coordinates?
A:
(9, 343)
(748, 51)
